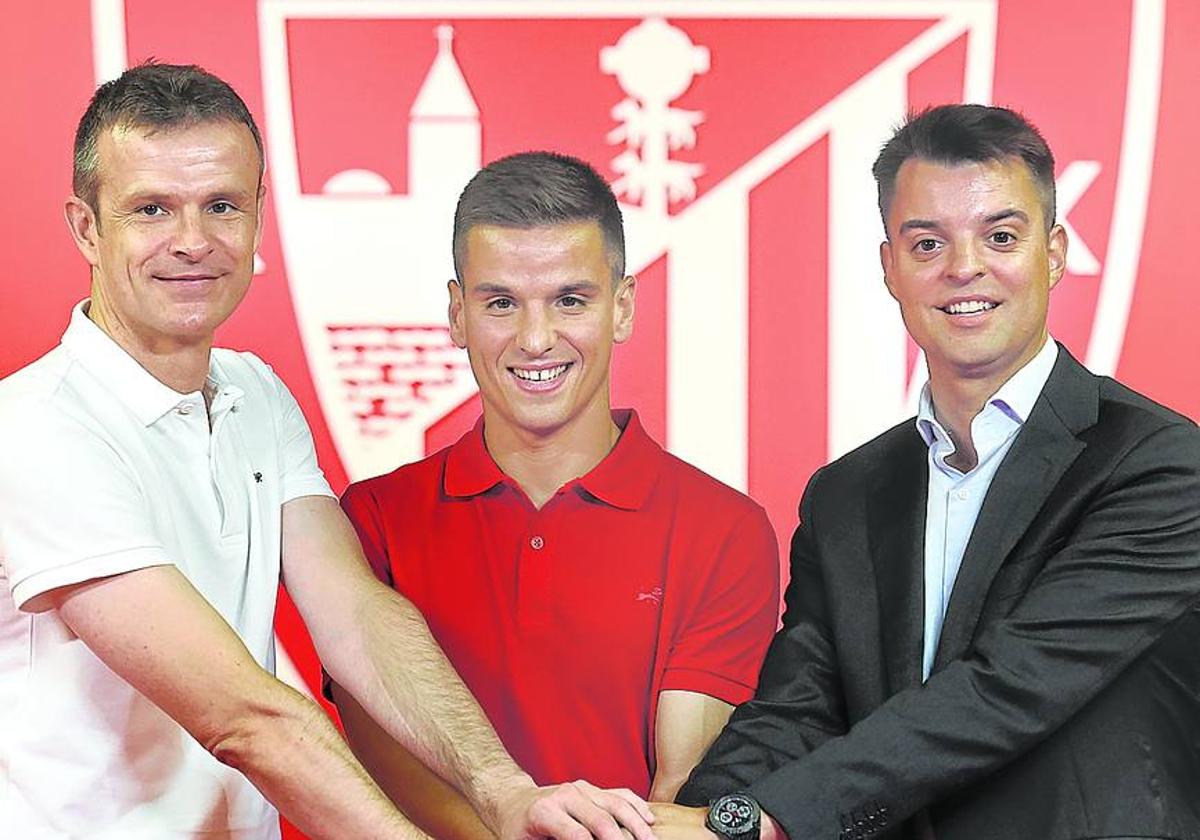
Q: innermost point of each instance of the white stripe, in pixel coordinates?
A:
(109, 54)
(1133, 186)
(466, 9)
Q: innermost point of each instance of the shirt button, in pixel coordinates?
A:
(536, 543)
(234, 408)
(962, 495)
(184, 409)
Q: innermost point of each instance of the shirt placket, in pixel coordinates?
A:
(230, 488)
(192, 415)
(539, 546)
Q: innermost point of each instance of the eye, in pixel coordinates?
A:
(222, 207)
(151, 210)
(500, 304)
(926, 246)
(572, 302)
(1003, 237)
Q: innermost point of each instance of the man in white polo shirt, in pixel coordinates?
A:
(153, 492)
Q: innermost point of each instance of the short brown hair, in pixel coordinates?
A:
(953, 134)
(534, 189)
(153, 96)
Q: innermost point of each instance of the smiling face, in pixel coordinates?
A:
(538, 315)
(970, 262)
(171, 242)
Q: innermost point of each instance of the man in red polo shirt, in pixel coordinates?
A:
(606, 603)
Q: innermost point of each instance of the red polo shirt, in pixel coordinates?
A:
(566, 622)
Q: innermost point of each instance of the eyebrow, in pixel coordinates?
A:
(918, 224)
(582, 287)
(153, 196)
(1010, 213)
(999, 216)
(491, 289)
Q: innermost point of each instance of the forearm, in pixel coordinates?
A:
(320, 787)
(435, 806)
(396, 670)
(686, 723)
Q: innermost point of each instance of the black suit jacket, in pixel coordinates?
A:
(1065, 698)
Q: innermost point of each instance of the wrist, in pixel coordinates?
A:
(771, 830)
(496, 797)
(734, 816)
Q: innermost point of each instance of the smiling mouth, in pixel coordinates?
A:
(968, 307)
(541, 374)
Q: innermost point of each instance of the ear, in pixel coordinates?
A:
(258, 215)
(623, 307)
(1056, 251)
(81, 221)
(886, 255)
(458, 330)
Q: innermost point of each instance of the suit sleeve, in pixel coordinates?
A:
(798, 704)
(1129, 570)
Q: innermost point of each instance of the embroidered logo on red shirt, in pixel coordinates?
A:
(654, 595)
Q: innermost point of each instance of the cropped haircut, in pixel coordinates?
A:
(153, 96)
(956, 134)
(537, 189)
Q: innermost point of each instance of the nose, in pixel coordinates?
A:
(965, 263)
(191, 240)
(537, 333)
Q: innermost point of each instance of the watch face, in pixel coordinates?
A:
(735, 815)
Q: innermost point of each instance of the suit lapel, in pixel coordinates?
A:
(896, 525)
(1044, 449)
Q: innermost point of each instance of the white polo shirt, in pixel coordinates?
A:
(104, 470)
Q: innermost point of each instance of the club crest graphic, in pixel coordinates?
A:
(738, 138)
(367, 263)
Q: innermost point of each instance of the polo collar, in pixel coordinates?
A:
(470, 469)
(122, 376)
(623, 479)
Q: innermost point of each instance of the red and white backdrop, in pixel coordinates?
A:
(739, 138)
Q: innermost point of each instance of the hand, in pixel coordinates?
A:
(675, 822)
(575, 811)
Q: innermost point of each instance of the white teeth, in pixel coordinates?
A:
(966, 307)
(543, 375)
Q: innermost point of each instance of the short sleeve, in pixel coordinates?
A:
(732, 611)
(299, 474)
(71, 509)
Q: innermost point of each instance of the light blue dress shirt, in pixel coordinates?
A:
(955, 497)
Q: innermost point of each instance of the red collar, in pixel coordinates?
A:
(623, 479)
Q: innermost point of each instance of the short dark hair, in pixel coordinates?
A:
(953, 134)
(153, 96)
(536, 189)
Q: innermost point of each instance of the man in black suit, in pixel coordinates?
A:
(992, 630)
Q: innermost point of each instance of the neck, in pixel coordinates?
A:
(542, 463)
(958, 399)
(955, 404)
(180, 365)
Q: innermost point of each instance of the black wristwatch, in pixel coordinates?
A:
(734, 816)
